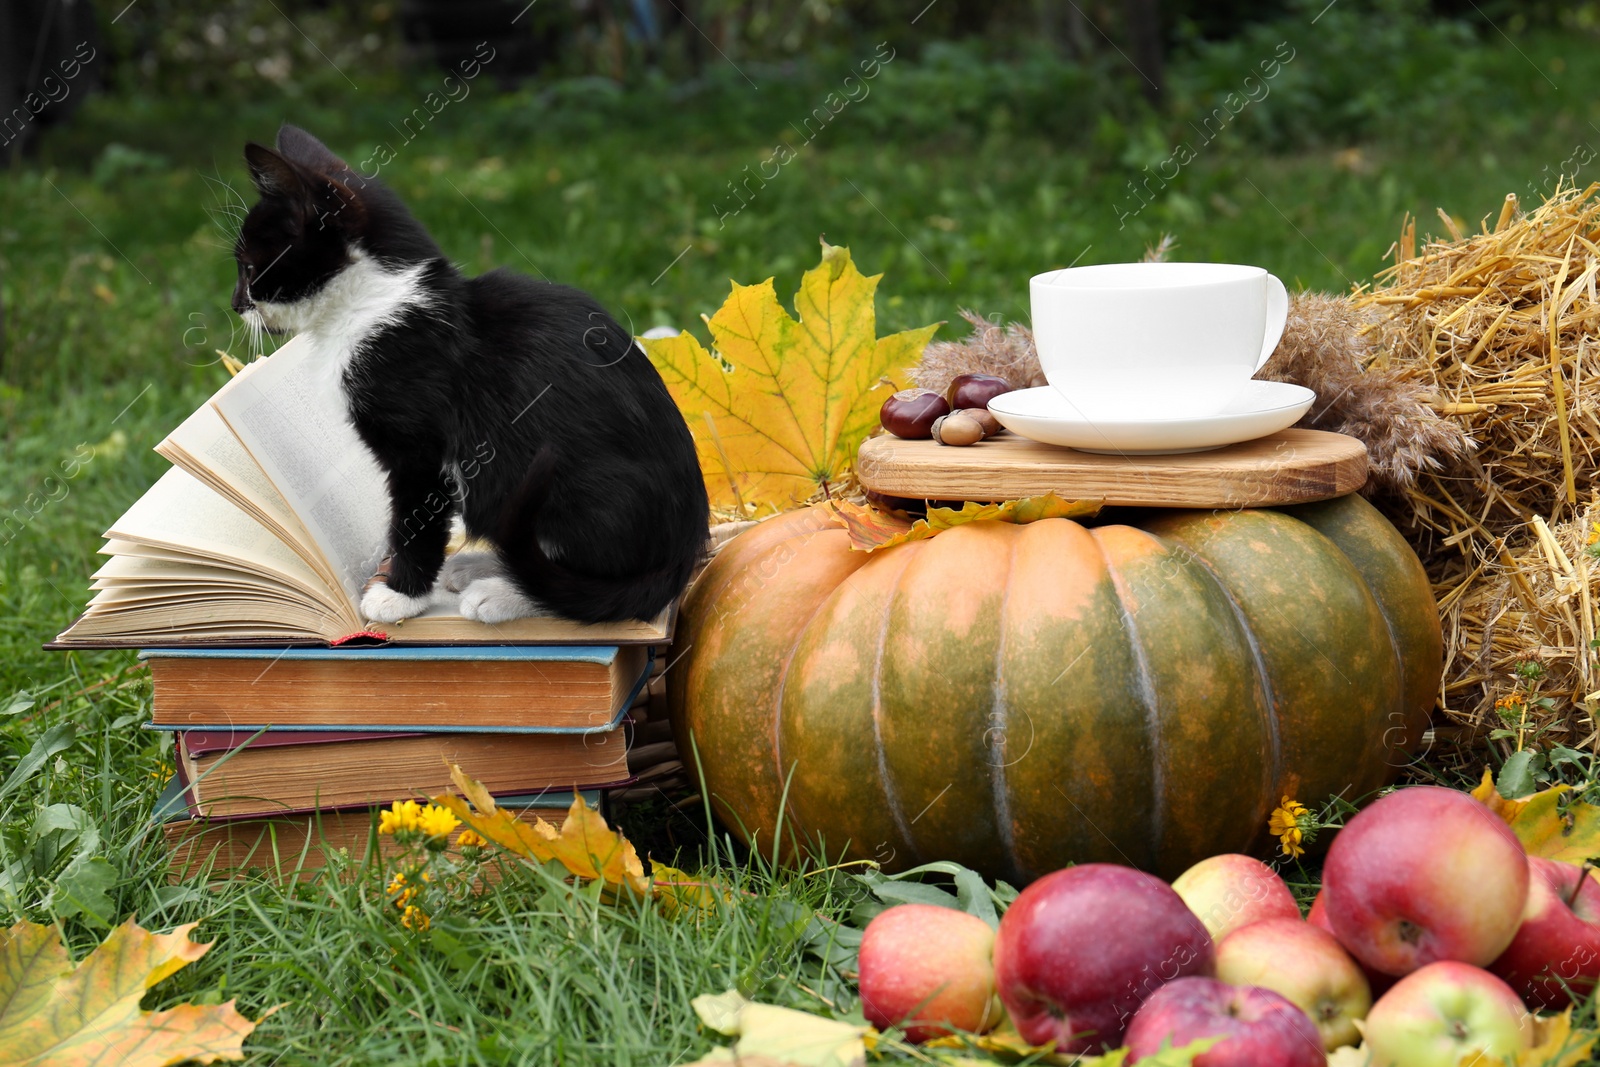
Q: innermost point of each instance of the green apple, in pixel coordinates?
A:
(1435, 1016)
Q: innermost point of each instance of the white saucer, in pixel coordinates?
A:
(1259, 409)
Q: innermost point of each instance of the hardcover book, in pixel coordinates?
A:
(234, 773)
(528, 689)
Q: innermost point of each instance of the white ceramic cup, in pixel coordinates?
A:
(1155, 340)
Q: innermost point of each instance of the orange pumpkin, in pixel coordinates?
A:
(1017, 698)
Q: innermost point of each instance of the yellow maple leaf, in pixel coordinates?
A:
(1546, 827)
(584, 845)
(681, 895)
(54, 1014)
(770, 1036)
(1490, 796)
(871, 529)
(781, 408)
(1556, 1043)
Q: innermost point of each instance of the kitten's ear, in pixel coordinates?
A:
(339, 205)
(273, 175)
(298, 145)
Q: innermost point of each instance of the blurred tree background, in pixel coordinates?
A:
(989, 141)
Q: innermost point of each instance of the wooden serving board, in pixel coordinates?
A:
(1289, 467)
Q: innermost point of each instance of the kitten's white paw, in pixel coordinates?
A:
(464, 568)
(495, 600)
(383, 604)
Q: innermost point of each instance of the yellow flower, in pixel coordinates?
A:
(414, 918)
(401, 817)
(1285, 825)
(1594, 534)
(469, 839)
(436, 821)
(397, 883)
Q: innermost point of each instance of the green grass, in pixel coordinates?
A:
(951, 180)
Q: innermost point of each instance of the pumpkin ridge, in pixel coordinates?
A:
(890, 795)
(1147, 688)
(1403, 668)
(998, 778)
(783, 682)
(1269, 698)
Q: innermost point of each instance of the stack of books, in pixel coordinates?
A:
(239, 576)
(277, 748)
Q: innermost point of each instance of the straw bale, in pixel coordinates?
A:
(1497, 332)
(1532, 601)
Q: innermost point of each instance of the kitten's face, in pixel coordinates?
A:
(295, 240)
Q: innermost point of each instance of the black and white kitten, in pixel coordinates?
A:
(520, 404)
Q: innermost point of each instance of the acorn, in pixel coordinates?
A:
(975, 390)
(910, 413)
(957, 428)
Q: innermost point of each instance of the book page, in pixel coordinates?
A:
(182, 513)
(289, 414)
(237, 564)
(125, 572)
(204, 440)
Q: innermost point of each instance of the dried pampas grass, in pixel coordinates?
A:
(1325, 349)
(1006, 351)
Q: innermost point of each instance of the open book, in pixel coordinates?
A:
(267, 527)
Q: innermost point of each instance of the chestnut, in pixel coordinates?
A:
(957, 428)
(910, 413)
(990, 424)
(975, 390)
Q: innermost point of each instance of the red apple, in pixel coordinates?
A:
(1557, 947)
(1231, 890)
(1079, 950)
(1257, 1026)
(928, 969)
(1304, 964)
(1377, 981)
(1425, 874)
(1443, 1012)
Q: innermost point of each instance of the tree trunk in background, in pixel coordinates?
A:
(16, 56)
(1064, 27)
(1143, 18)
(1077, 30)
(36, 38)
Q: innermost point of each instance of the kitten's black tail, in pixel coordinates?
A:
(584, 597)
